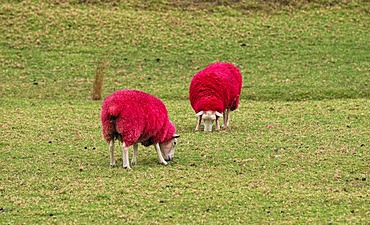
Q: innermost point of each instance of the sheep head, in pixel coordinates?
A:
(208, 118)
(168, 147)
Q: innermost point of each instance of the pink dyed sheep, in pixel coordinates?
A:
(213, 91)
(134, 117)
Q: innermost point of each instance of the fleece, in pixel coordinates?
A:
(216, 88)
(134, 116)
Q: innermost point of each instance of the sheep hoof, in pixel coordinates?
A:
(133, 162)
(127, 167)
(113, 165)
(164, 163)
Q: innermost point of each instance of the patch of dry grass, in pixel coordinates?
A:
(96, 93)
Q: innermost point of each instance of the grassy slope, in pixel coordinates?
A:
(286, 162)
(307, 55)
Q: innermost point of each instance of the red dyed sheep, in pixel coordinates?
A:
(213, 91)
(134, 117)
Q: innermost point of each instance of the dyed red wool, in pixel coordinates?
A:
(135, 117)
(214, 92)
(216, 88)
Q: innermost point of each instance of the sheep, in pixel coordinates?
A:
(133, 117)
(214, 92)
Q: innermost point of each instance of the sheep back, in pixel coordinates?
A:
(135, 117)
(216, 88)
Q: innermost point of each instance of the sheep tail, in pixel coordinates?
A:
(112, 120)
(113, 116)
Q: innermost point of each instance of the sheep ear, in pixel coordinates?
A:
(175, 136)
(218, 114)
(199, 113)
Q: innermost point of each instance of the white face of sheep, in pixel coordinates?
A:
(208, 118)
(168, 148)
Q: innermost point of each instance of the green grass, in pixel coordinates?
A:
(297, 151)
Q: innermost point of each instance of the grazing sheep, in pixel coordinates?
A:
(213, 91)
(134, 117)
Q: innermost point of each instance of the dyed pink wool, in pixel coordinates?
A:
(134, 117)
(216, 88)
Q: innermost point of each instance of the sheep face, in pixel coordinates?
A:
(208, 118)
(168, 148)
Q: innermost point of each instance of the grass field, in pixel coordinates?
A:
(297, 150)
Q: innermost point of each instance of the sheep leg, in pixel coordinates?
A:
(226, 118)
(111, 153)
(159, 153)
(217, 123)
(125, 158)
(198, 123)
(133, 161)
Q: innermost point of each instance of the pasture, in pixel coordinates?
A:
(297, 150)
